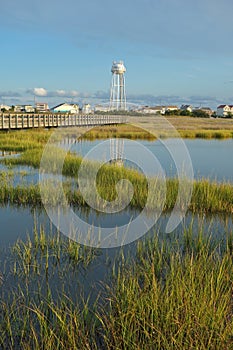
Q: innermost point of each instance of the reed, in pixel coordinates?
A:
(128, 131)
(131, 131)
(42, 253)
(168, 294)
(173, 298)
(207, 197)
(23, 139)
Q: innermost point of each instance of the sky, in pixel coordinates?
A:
(175, 51)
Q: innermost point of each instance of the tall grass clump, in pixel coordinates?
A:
(128, 131)
(207, 196)
(44, 252)
(23, 140)
(42, 303)
(176, 297)
(44, 323)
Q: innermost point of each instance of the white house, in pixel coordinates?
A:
(224, 110)
(188, 108)
(171, 108)
(101, 108)
(4, 107)
(42, 107)
(24, 108)
(29, 109)
(152, 110)
(86, 108)
(207, 110)
(18, 108)
(66, 108)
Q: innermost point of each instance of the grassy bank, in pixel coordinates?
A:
(207, 197)
(139, 127)
(187, 127)
(151, 132)
(162, 296)
(150, 127)
(22, 140)
(128, 131)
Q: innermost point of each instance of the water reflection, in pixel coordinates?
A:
(72, 278)
(210, 158)
(18, 222)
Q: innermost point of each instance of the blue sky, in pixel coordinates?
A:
(175, 51)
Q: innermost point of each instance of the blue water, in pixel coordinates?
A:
(211, 159)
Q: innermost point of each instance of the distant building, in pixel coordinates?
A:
(188, 108)
(207, 110)
(224, 110)
(171, 108)
(42, 107)
(101, 108)
(29, 109)
(18, 108)
(24, 109)
(66, 108)
(86, 108)
(4, 108)
(152, 110)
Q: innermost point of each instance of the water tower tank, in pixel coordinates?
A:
(118, 68)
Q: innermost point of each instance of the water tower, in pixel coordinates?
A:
(117, 94)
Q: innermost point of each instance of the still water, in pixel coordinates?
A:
(211, 159)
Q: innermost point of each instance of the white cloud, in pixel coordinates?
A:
(61, 92)
(39, 92)
(74, 93)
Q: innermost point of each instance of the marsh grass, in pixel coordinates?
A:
(207, 197)
(120, 131)
(206, 134)
(44, 252)
(36, 312)
(173, 297)
(43, 323)
(186, 127)
(23, 140)
(190, 129)
(168, 294)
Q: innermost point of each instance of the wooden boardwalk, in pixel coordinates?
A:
(27, 121)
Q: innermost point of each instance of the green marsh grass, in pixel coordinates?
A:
(168, 294)
(207, 197)
(128, 131)
(173, 297)
(24, 139)
(36, 254)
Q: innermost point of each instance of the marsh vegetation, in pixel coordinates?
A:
(164, 294)
(165, 291)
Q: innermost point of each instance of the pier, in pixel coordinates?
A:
(28, 121)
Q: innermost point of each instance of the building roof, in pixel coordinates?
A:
(206, 108)
(67, 104)
(222, 106)
(154, 108)
(185, 106)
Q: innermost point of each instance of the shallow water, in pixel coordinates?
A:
(75, 279)
(18, 222)
(210, 158)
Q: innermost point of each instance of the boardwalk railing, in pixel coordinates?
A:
(26, 121)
